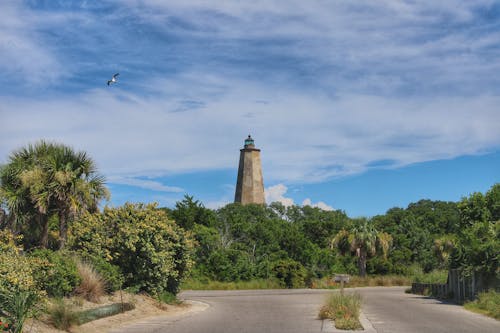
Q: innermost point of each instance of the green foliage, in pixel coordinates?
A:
(44, 179)
(61, 276)
(435, 276)
(168, 298)
(493, 202)
(189, 212)
(152, 251)
(364, 241)
(474, 209)
(16, 306)
(290, 273)
(478, 248)
(17, 271)
(230, 265)
(487, 303)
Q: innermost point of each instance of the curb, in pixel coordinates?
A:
(328, 326)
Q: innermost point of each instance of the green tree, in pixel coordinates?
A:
(474, 209)
(189, 212)
(48, 178)
(364, 240)
(493, 202)
(443, 248)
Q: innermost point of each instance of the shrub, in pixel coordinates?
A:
(230, 265)
(62, 315)
(152, 251)
(487, 303)
(167, 298)
(60, 277)
(8, 241)
(290, 273)
(92, 284)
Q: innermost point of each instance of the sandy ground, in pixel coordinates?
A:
(144, 307)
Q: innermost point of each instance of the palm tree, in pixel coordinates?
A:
(364, 240)
(47, 178)
(20, 182)
(443, 247)
(75, 185)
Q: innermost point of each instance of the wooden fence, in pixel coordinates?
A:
(459, 287)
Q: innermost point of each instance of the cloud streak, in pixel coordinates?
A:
(327, 89)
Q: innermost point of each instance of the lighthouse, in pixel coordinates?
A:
(250, 184)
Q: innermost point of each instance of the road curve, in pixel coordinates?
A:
(295, 311)
(391, 310)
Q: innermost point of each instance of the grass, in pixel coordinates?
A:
(62, 315)
(191, 284)
(92, 286)
(368, 281)
(344, 310)
(168, 298)
(435, 276)
(488, 303)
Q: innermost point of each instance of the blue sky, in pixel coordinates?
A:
(359, 106)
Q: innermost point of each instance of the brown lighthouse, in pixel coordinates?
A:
(250, 184)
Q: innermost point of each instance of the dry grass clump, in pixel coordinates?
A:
(92, 286)
(344, 310)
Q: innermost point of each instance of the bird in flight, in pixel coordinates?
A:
(113, 79)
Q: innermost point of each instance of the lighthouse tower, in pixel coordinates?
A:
(250, 184)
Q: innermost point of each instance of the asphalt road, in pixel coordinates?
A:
(295, 311)
(391, 310)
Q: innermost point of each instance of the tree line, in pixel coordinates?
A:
(51, 196)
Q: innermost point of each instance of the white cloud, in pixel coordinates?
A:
(326, 90)
(276, 194)
(144, 183)
(319, 204)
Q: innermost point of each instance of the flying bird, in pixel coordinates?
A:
(113, 79)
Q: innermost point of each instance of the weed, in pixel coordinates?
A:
(343, 309)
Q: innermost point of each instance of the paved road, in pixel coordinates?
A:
(391, 310)
(295, 311)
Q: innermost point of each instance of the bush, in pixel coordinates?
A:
(152, 251)
(8, 242)
(230, 265)
(17, 271)
(290, 273)
(487, 303)
(60, 277)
